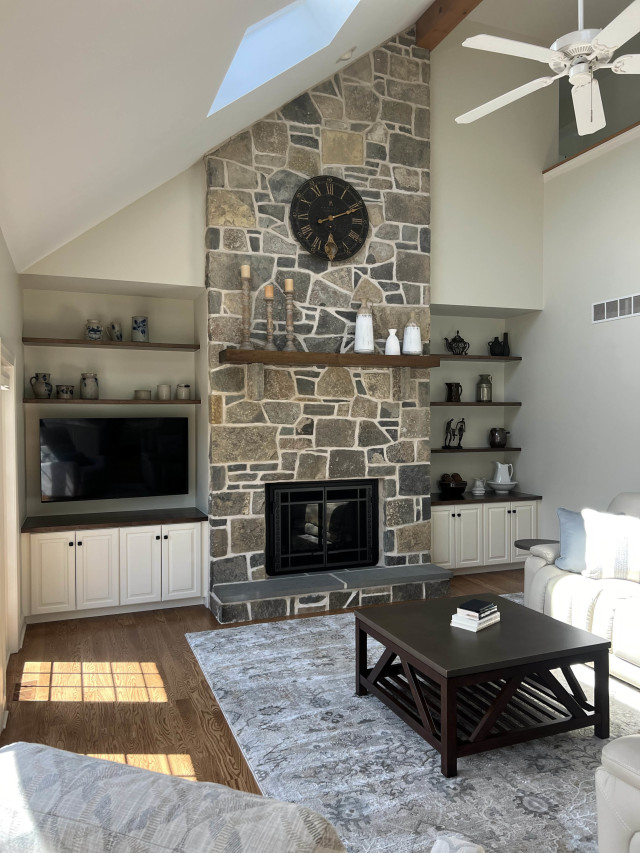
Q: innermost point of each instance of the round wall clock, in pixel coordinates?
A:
(329, 218)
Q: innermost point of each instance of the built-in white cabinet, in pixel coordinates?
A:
(74, 570)
(457, 536)
(160, 563)
(503, 524)
(481, 534)
(83, 569)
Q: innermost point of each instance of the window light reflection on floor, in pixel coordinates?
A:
(171, 764)
(90, 681)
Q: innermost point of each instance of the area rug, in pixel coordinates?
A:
(287, 691)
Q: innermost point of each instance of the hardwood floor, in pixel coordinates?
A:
(128, 688)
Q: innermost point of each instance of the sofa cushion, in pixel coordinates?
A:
(572, 541)
(613, 593)
(572, 599)
(53, 801)
(613, 546)
(625, 642)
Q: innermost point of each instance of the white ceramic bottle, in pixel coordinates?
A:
(392, 346)
(411, 341)
(364, 329)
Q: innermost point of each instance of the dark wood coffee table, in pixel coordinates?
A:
(466, 693)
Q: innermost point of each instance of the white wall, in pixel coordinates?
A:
(156, 239)
(579, 381)
(487, 188)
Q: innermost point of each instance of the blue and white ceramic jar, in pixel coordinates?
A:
(93, 330)
(140, 329)
(89, 387)
(42, 387)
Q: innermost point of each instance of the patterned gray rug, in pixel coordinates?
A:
(287, 691)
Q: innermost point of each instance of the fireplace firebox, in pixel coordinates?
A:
(321, 526)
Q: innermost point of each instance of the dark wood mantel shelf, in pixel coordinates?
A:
(137, 345)
(341, 359)
(476, 449)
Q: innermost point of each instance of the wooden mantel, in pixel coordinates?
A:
(440, 19)
(342, 359)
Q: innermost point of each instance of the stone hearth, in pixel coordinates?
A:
(369, 125)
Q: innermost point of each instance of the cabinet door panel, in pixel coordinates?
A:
(140, 564)
(53, 572)
(181, 569)
(442, 537)
(97, 562)
(524, 525)
(497, 533)
(468, 536)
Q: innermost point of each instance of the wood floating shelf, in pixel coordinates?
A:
(341, 359)
(57, 402)
(137, 345)
(476, 449)
(447, 356)
(498, 405)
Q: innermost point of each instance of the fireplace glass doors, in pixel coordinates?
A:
(321, 526)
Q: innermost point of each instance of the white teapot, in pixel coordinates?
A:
(503, 472)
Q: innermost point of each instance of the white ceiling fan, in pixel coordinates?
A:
(576, 55)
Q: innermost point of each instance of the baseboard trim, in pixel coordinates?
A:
(480, 570)
(38, 618)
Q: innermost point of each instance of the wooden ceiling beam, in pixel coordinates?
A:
(440, 19)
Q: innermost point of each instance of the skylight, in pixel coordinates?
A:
(279, 42)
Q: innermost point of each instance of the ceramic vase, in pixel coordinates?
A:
(114, 330)
(140, 329)
(42, 387)
(411, 340)
(93, 330)
(392, 346)
(183, 392)
(64, 392)
(89, 389)
(364, 329)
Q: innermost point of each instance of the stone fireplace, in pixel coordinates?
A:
(369, 124)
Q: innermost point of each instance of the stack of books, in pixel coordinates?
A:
(475, 614)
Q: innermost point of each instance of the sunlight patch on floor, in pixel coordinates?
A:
(171, 764)
(90, 681)
(620, 690)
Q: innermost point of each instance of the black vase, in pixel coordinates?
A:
(495, 347)
(506, 349)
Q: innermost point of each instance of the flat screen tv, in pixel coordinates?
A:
(87, 459)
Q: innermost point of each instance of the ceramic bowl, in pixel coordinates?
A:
(452, 490)
(502, 488)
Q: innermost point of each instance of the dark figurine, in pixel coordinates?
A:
(457, 345)
(460, 428)
(449, 434)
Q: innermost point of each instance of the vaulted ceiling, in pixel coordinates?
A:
(104, 101)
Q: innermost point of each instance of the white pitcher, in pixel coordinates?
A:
(503, 472)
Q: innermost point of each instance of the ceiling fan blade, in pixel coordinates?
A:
(495, 44)
(628, 64)
(587, 104)
(622, 28)
(507, 98)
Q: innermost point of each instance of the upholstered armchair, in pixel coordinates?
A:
(618, 796)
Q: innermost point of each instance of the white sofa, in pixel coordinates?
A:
(609, 607)
(618, 796)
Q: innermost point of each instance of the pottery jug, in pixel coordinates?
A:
(454, 390)
(411, 340)
(41, 386)
(140, 329)
(484, 388)
(496, 347)
(503, 472)
(89, 387)
(93, 330)
(498, 437)
(478, 487)
(364, 329)
(392, 346)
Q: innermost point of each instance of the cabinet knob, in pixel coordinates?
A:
(166, 536)
(453, 515)
(157, 537)
(459, 515)
(70, 544)
(79, 543)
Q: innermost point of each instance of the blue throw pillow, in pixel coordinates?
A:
(573, 541)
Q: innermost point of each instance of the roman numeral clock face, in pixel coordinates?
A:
(329, 218)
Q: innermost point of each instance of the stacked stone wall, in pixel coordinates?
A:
(369, 124)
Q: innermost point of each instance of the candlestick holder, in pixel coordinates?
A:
(245, 343)
(269, 306)
(289, 346)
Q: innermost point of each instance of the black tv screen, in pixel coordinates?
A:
(85, 459)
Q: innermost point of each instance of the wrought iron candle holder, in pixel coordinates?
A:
(245, 273)
(268, 301)
(288, 293)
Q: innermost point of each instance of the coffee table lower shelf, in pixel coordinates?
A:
(468, 714)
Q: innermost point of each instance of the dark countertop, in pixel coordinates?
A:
(488, 497)
(97, 520)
